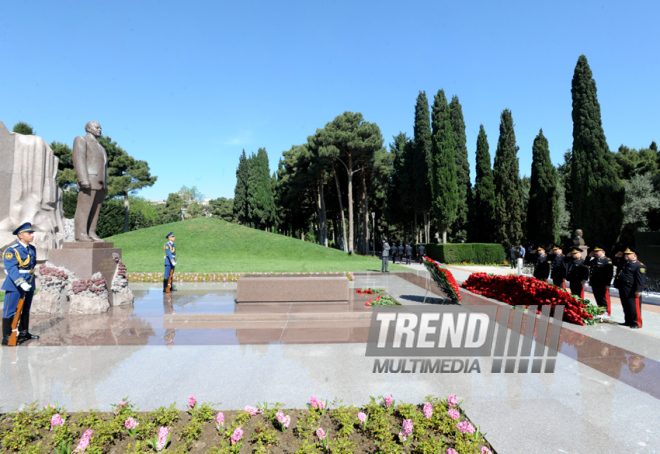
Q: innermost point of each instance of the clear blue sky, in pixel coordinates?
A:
(187, 85)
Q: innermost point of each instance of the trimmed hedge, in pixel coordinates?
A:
(480, 253)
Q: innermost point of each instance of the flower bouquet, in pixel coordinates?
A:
(445, 280)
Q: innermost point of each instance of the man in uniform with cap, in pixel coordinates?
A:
(577, 273)
(601, 270)
(421, 252)
(630, 281)
(170, 261)
(19, 260)
(408, 254)
(541, 265)
(558, 273)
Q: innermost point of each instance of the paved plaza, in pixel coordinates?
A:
(602, 397)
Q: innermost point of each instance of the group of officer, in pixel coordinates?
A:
(402, 252)
(598, 270)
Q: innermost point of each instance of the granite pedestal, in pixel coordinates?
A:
(85, 259)
(292, 289)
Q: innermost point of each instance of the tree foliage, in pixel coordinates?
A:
(543, 206)
(508, 213)
(460, 226)
(484, 193)
(597, 191)
(240, 192)
(442, 167)
(23, 128)
(421, 154)
(223, 208)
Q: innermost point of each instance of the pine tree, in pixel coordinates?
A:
(484, 193)
(442, 167)
(598, 195)
(261, 204)
(543, 205)
(459, 228)
(23, 128)
(508, 213)
(240, 192)
(421, 152)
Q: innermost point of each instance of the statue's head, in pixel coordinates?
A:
(578, 232)
(94, 128)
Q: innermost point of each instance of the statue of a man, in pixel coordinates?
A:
(91, 165)
(577, 239)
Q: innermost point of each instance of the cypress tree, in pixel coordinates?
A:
(421, 151)
(543, 205)
(240, 192)
(598, 194)
(508, 213)
(442, 167)
(261, 204)
(459, 228)
(484, 193)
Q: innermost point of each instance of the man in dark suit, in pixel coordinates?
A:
(91, 165)
(421, 252)
(408, 254)
(400, 252)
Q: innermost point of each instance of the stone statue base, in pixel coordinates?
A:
(85, 259)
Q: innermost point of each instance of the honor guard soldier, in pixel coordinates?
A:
(400, 252)
(408, 254)
(542, 265)
(421, 252)
(19, 260)
(577, 273)
(601, 270)
(630, 281)
(170, 263)
(558, 273)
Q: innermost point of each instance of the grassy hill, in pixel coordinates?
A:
(206, 245)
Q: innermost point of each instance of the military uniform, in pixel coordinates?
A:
(631, 278)
(601, 270)
(559, 268)
(576, 273)
(20, 260)
(170, 261)
(541, 266)
(408, 254)
(401, 252)
(421, 252)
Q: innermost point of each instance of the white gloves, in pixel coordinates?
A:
(25, 287)
(173, 262)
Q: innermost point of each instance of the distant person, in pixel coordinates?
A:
(513, 256)
(170, 263)
(385, 256)
(393, 251)
(559, 267)
(601, 270)
(401, 250)
(631, 282)
(521, 258)
(19, 261)
(421, 253)
(577, 273)
(408, 254)
(542, 265)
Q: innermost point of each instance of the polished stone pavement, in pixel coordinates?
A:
(602, 397)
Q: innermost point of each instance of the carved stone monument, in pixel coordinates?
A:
(29, 191)
(578, 242)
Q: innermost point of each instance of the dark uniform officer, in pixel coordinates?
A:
(601, 270)
(559, 268)
(393, 251)
(421, 252)
(19, 260)
(577, 273)
(541, 265)
(401, 251)
(408, 254)
(170, 260)
(631, 281)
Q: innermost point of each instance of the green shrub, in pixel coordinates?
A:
(481, 253)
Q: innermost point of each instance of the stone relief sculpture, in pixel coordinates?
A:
(29, 191)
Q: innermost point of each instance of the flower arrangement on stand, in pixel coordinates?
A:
(445, 280)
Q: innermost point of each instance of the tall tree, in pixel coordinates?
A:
(459, 227)
(508, 215)
(442, 167)
(126, 175)
(484, 193)
(422, 150)
(66, 175)
(261, 204)
(172, 209)
(601, 194)
(352, 142)
(240, 192)
(223, 208)
(23, 128)
(400, 197)
(543, 207)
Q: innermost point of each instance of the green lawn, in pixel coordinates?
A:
(206, 245)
